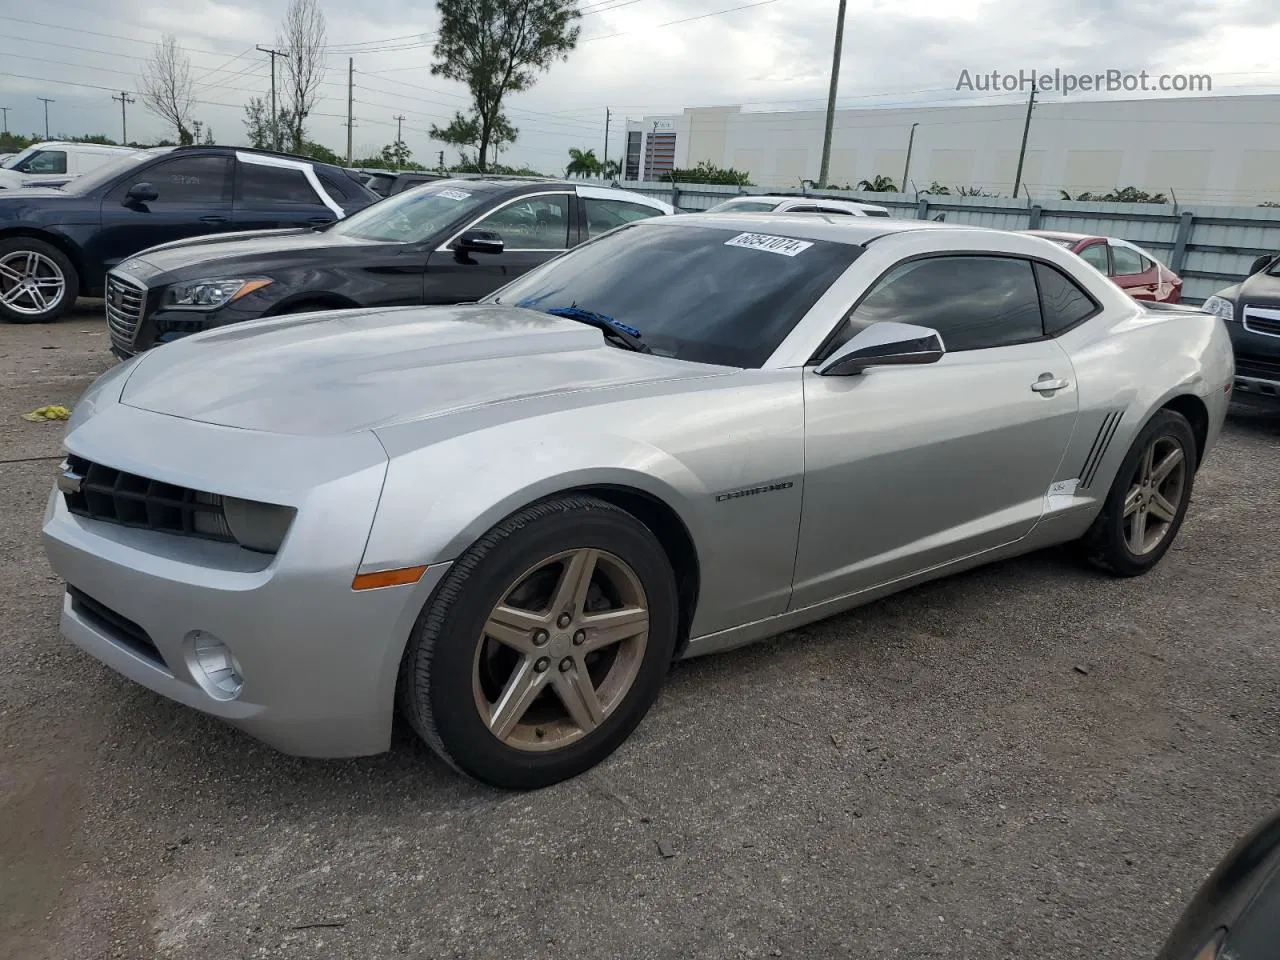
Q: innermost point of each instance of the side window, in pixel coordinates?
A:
(1062, 302)
(534, 223)
(801, 208)
(974, 302)
(183, 180)
(333, 186)
(45, 161)
(1127, 262)
(603, 215)
(1096, 256)
(846, 213)
(256, 183)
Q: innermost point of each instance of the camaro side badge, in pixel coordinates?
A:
(752, 491)
(68, 480)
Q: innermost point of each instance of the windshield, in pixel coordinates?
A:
(17, 158)
(743, 206)
(726, 297)
(411, 216)
(109, 171)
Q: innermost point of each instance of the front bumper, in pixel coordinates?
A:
(1257, 359)
(319, 660)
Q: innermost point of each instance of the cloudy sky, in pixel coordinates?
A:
(636, 57)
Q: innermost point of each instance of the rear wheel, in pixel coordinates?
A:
(38, 284)
(544, 646)
(1148, 500)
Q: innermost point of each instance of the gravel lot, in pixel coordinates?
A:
(1026, 761)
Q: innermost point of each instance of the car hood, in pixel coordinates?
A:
(351, 370)
(1261, 288)
(244, 246)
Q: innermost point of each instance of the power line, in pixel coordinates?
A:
(672, 23)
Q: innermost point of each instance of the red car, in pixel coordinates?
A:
(1135, 270)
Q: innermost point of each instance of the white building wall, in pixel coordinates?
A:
(1223, 150)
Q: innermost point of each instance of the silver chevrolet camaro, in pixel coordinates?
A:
(506, 519)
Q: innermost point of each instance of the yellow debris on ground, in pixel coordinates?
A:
(54, 412)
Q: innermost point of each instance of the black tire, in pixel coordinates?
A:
(71, 279)
(1105, 545)
(435, 690)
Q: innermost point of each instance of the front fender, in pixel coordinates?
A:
(440, 499)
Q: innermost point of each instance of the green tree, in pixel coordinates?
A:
(396, 155)
(582, 163)
(707, 172)
(938, 190)
(611, 169)
(258, 126)
(497, 47)
(878, 184)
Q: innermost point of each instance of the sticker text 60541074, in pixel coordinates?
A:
(763, 241)
(451, 194)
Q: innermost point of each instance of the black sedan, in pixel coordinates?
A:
(1251, 310)
(57, 244)
(452, 241)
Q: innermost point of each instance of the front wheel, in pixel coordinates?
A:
(1148, 500)
(544, 646)
(38, 284)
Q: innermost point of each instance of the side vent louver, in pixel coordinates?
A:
(1099, 449)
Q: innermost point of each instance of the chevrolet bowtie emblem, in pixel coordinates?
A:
(68, 480)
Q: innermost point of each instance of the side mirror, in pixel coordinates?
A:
(479, 241)
(142, 193)
(1261, 263)
(883, 345)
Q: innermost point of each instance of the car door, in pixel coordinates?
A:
(533, 227)
(910, 467)
(274, 193)
(193, 199)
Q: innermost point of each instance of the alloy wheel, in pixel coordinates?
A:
(561, 650)
(31, 284)
(1155, 494)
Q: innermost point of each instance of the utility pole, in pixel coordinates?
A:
(47, 101)
(351, 99)
(441, 159)
(197, 124)
(125, 100)
(906, 169)
(5, 111)
(399, 126)
(607, 114)
(1022, 151)
(275, 122)
(825, 168)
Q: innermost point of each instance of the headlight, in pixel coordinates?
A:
(1220, 306)
(210, 294)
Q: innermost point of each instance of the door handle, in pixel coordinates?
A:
(1048, 383)
(213, 219)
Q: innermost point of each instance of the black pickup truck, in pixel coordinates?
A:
(1251, 309)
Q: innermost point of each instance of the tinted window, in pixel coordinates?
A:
(413, 216)
(604, 215)
(44, 161)
(535, 223)
(184, 180)
(1096, 255)
(334, 187)
(107, 172)
(974, 302)
(1126, 261)
(258, 184)
(1062, 302)
(876, 213)
(719, 302)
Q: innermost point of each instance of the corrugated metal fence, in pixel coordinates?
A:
(1209, 247)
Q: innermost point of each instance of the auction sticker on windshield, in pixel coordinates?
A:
(762, 241)
(450, 194)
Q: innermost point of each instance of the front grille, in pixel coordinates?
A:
(1262, 368)
(1255, 322)
(114, 496)
(122, 630)
(126, 302)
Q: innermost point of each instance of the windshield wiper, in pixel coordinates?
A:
(628, 337)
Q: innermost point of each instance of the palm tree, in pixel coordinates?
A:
(879, 184)
(582, 163)
(611, 169)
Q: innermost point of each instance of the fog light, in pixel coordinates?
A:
(214, 665)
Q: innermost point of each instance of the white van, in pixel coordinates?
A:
(55, 162)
